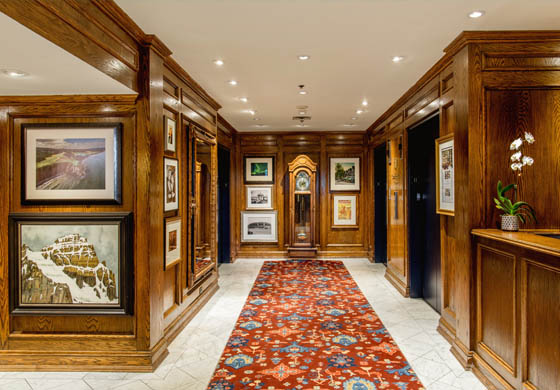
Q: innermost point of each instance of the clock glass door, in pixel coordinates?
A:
(302, 208)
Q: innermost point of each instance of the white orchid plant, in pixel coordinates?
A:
(518, 160)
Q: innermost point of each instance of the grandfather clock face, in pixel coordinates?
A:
(302, 181)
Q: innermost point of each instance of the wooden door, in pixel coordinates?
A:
(397, 265)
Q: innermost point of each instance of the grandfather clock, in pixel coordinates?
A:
(302, 207)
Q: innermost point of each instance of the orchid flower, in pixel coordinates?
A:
(527, 160)
(529, 138)
(516, 144)
(516, 156)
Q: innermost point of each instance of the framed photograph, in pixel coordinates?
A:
(172, 241)
(71, 263)
(259, 170)
(344, 210)
(171, 184)
(259, 226)
(445, 175)
(344, 174)
(170, 127)
(259, 197)
(71, 163)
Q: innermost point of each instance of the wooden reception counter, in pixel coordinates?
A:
(517, 309)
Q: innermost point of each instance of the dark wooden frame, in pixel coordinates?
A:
(126, 266)
(166, 120)
(261, 181)
(358, 176)
(177, 185)
(117, 199)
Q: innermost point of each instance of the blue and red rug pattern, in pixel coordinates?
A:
(307, 325)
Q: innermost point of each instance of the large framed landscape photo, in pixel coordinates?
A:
(71, 263)
(344, 174)
(259, 226)
(71, 163)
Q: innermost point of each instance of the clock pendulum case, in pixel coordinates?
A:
(302, 199)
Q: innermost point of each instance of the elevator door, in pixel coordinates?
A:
(380, 203)
(424, 234)
(223, 205)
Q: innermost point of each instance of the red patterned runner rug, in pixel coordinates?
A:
(307, 325)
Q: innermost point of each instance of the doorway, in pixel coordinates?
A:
(424, 233)
(380, 203)
(224, 229)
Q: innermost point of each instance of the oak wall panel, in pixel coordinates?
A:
(331, 241)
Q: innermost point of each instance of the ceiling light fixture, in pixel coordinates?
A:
(359, 112)
(302, 113)
(397, 59)
(354, 118)
(349, 125)
(218, 62)
(303, 57)
(252, 112)
(232, 82)
(261, 125)
(303, 92)
(364, 103)
(476, 14)
(14, 73)
(256, 119)
(244, 99)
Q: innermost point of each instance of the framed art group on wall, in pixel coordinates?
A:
(259, 223)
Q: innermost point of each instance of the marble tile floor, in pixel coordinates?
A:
(193, 355)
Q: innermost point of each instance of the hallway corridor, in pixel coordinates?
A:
(195, 352)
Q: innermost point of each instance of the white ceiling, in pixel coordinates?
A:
(52, 70)
(351, 43)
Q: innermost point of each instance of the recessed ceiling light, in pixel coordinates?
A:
(302, 113)
(359, 112)
(14, 73)
(256, 119)
(232, 82)
(218, 62)
(349, 125)
(302, 125)
(476, 14)
(244, 99)
(303, 57)
(252, 112)
(261, 125)
(364, 103)
(354, 118)
(396, 59)
(303, 92)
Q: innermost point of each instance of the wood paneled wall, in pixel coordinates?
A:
(101, 34)
(493, 86)
(320, 147)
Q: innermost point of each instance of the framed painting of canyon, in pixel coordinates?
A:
(71, 163)
(71, 263)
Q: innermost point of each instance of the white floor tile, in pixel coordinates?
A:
(194, 354)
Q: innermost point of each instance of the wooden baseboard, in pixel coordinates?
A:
(488, 376)
(446, 330)
(462, 354)
(397, 283)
